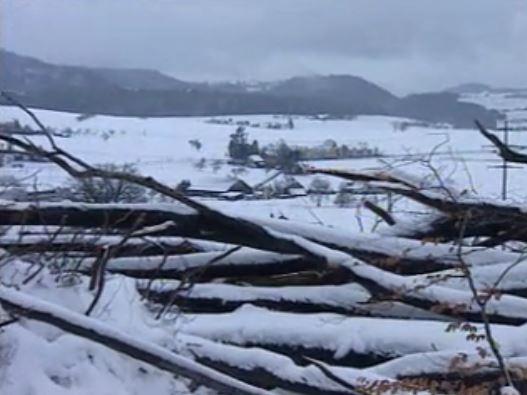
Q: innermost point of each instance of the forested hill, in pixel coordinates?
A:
(148, 93)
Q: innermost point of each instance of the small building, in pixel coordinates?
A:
(294, 187)
(240, 186)
(293, 183)
(281, 186)
(229, 191)
(360, 188)
(231, 196)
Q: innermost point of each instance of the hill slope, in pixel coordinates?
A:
(140, 92)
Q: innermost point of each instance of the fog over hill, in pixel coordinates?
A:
(142, 92)
(477, 87)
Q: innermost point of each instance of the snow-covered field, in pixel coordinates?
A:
(159, 147)
(60, 363)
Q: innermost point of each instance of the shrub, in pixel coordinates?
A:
(97, 190)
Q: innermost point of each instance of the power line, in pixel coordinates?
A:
(505, 166)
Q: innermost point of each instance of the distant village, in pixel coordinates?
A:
(283, 162)
(279, 155)
(281, 186)
(277, 125)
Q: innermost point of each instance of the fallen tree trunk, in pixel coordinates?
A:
(390, 253)
(197, 267)
(507, 153)
(347, 299)
(395, 254)
(454, 371)
(269, 370)
(140, 248)
(55, 237)
(475, 217)
(185, 223)
(335, 339)
(455, 303)
(501, 278)
(226, 226)
(21, 304)
(92, 215)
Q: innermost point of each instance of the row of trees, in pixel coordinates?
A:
(241, 123)
(284, 157)
(239, 146)
(279, 156)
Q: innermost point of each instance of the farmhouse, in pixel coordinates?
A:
(233, 190)
(281, 186)
(294, 187)
(360, 188)
(240, 186)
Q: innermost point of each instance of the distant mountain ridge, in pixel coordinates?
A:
(138, 79)
(149, 93)
(476, 88)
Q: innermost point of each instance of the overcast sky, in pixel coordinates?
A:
(404, 45)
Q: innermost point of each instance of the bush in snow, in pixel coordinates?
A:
(318, 190)
(196, 144)
(97, 190)
(343, 199)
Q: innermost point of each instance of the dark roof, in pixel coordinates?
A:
(240, 186)
(293, 183)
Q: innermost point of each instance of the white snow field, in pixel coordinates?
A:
(54, 362)
(159, 147)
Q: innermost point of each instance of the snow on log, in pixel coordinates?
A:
(267, 369)
(456, 303)
(484, 217)
(391, 253)
(206, 223)
(461, 368)
(333, 338)
(468, 217)
(507, 277)
(383, 284)
(205, 265)
(89, 328)
(346, 299)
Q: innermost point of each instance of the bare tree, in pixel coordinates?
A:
(318, 190)
(102, 190)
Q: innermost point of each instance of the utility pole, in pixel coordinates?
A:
(505, 164)
(506, 129)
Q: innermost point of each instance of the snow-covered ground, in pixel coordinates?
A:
(160, 147)
(59, 363)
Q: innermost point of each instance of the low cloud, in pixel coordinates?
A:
(407, 45)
